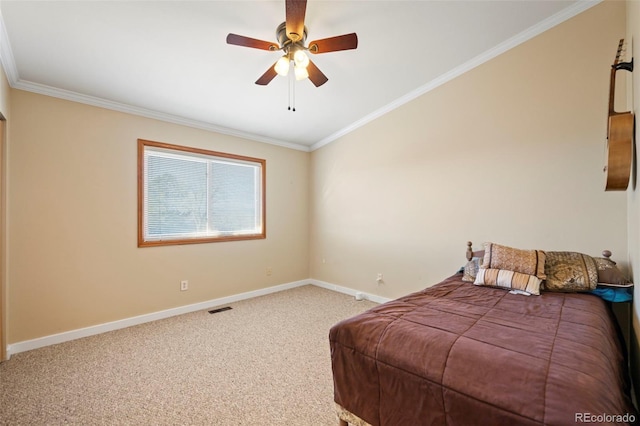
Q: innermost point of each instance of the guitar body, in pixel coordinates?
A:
(619, 134)
(619, 151)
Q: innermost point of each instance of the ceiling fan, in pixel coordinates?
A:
(291, 36)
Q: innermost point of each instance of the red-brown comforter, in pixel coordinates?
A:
(459, 354)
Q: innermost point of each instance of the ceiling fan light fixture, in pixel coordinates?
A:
(300, 72)
(282, 66)
(292, 37)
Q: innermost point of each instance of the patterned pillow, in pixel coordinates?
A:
(608, 273)
(508, 279)
(530, 262)
(471, 270)
(569, 271)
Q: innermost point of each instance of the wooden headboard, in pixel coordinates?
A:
(471, 254)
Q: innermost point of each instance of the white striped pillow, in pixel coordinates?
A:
(509, 280)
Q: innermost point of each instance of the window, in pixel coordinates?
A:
(188, 195)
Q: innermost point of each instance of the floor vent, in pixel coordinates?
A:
(215, 311)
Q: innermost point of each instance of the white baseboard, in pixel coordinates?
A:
(349, 291)
(66, 336)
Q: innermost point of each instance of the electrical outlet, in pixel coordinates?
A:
(184, 285)
(379, 278)
(269, 271)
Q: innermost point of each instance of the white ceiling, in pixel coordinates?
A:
(169, 59)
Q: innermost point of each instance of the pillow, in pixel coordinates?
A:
(569, 271)
(609, 274)
(509, 280)
(615, 295)
(530, 262)
(471, 270)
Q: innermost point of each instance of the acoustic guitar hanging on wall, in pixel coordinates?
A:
(619, 134)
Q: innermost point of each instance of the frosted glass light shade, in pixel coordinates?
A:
(282, 66)
(301, 72)
(300, 59)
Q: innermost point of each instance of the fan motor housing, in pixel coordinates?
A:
(284, 40)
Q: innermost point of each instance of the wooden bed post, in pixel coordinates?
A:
(469, 250)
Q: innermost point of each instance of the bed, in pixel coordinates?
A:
(463, 353)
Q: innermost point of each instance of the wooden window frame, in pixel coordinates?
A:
(142, 242)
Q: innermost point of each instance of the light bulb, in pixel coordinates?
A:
(301, 72)
(300, 58)
(282, 66)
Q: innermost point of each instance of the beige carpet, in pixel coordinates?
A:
(265, 362)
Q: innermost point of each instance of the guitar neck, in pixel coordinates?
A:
(612, 91)
(612, 85)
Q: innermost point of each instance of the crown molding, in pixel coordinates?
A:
(514, 41)
(143, 112)
(6, 55)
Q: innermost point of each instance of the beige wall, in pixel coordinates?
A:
(633, 101)
(73, 255)
(510, 152)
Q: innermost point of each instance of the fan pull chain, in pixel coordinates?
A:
(289, 93)
(293, 86)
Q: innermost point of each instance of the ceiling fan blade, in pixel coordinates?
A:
(267, 76)
(239, 40)
(316, 76)
(333, 44)
(295, 10)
